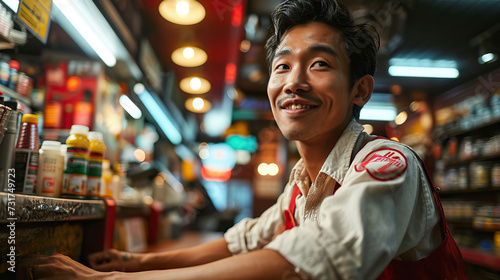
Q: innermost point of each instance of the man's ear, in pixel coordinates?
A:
(363, 90)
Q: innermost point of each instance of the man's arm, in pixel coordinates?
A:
(124, 261)
(260, 264)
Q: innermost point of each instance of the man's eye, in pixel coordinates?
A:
(320, 64)
(282, 67)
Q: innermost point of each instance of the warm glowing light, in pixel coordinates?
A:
(204, 153)
(395, 139)
(189, 56)
(263, 169)
(368, 128)
(273, 169)
(245, 46)
(195, 85)
(188, 53)
(414, 106)
(182, 12)
(73, 83)
(182, 8)
(140, 155)
(198, 103)
(401, 118)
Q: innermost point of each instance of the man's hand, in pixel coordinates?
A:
(114, 260)
(55, 267)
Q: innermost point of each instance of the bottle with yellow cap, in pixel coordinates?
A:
(96, 149)
(26, 157)
(77, 161)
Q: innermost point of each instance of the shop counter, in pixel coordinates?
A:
(31, 224)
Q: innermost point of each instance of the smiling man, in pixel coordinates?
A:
(355, 207)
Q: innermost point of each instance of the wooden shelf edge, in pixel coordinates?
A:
(480, 258)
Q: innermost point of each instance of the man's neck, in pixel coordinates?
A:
(314, 153)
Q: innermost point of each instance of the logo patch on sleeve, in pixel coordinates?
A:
(383, 164)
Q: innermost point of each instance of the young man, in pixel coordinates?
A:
(356, 207)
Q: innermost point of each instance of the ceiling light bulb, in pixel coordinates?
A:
(188, 53)
(189, 56)
(198, 103)
(195, 83)
(487, 58)
(182, 8)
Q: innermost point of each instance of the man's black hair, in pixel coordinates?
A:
(361, 40)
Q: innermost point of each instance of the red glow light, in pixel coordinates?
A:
(237, 15)
(230, 73)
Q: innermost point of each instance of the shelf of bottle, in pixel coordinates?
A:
(481, 258)
(461, 162)
(469, 224)
(32, 208)
(469, 191)
(443, 133)
(15, 95)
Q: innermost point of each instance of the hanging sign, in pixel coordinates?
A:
(35, 14)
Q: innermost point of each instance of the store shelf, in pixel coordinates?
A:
(481, 258)
(456, 163)
(442, 133)
(32, 208)
(15, 95)
(469, 191)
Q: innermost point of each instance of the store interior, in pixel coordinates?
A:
(176, 91)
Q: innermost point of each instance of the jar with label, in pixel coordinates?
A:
(96, 149)
(49, 169)
(26, 156)
(495, 175)
(480, 174)
(463, 178)
(77, 161)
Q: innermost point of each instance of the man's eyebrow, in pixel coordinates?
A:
(282, 52)
(325, 49)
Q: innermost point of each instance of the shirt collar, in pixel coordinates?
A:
(337, 162)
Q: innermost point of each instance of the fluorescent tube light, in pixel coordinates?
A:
(425, 72)
(81, 14)
(130, 107)
(159, 114)
(378, 114)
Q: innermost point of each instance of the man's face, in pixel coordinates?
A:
(309, 84)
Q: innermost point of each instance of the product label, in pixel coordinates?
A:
(26, 165)
(48, 184)
(94, 186)
(75, 184)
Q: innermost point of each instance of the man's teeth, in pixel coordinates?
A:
(298, 106)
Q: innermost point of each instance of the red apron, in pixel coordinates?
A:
(444, 263)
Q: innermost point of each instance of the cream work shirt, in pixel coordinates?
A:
(383, 210)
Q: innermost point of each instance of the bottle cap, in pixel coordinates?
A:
(14, 64)
(79, 129)
(95, 135)
(30, 118)
(51, 145)
(63, 149)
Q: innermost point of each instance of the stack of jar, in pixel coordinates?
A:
(12, 78)
(72, 169)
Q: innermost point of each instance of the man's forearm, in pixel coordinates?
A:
(202, 254)
(261, 264)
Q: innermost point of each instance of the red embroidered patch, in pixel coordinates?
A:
(384, 164)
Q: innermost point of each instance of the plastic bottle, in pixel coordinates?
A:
(49, 169)
(26, 158)
(4, 70)
(8, 145)
(14, 67)
(96, 148)
(76, 162)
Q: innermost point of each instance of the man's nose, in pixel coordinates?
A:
(297, 82)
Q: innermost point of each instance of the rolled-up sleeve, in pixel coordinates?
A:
(360, 229)
(253, 234)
